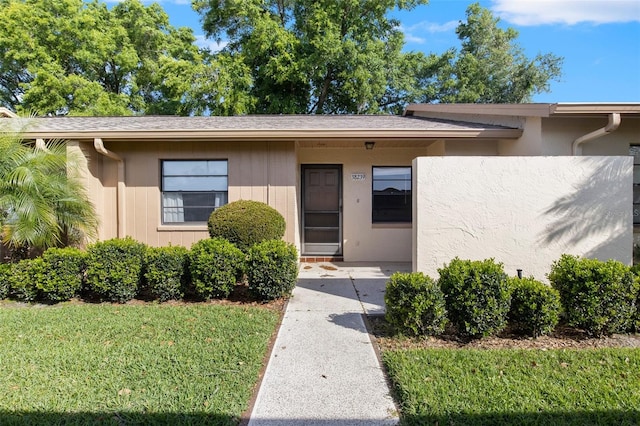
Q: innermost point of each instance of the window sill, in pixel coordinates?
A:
(185, 228)
(392, 225)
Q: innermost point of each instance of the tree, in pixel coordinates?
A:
(42, 204)
(491, 67)
(319, 56)
(72, 57)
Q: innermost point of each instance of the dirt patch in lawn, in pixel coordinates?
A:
(563, 337)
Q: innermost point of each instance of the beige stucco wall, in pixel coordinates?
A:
(363, 240)
(559, 134)
(523, 211)
(261, 171)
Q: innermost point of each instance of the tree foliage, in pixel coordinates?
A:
(490, 66)
(81, 58)
(305, 56)
(320, 56)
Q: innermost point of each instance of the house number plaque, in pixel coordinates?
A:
(357, 176)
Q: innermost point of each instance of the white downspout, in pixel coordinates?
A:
(612, 125)
(41, 145)
(99, 146)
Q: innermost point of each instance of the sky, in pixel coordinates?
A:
(598, 39)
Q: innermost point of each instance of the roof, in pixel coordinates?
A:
(529, 110)
(260, 127)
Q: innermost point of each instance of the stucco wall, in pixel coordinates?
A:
(523, 211)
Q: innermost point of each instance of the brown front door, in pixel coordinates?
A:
(322, 210)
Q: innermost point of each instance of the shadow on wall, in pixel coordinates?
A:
(600, 208)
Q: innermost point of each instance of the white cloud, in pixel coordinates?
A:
(207, 43)
(413, 33)
(569, 12)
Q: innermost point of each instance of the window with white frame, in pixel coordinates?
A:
(192, 189)
(391, 200)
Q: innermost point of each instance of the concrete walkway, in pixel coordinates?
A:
(323, 368)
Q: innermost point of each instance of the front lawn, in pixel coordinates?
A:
(515, 386)
(130, 364)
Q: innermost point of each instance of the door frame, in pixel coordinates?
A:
(303, 168)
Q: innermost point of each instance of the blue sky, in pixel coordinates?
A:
(599, 39)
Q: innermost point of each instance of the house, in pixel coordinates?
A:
(520, 183)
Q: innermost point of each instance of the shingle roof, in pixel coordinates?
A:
(248, 122)
(289, 126)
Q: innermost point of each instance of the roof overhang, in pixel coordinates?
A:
(527, 110)
(279, 135)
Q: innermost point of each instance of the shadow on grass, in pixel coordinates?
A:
(573, 418)
(114, 418)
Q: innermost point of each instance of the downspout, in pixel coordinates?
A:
(40, 145)
(612, 125)
(120, 195)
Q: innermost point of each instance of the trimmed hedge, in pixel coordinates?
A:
(477, 296)
(246, 223)
(214, 266)
(22, 278)
(165, 272)
(63, 274)
(272, 269)
(598, 297)
(114, 269)
(5, 285)
(535, 307)
(415, 304)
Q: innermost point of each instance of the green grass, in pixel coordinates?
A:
(128, 364)
(523, 387)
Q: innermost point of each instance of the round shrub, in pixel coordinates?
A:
(477, 296)
(5, 274)
(598, 297)
(415, 304)
(272, 269)
(246, 223)
(114, 269)
(214, 266)
(22, 279)
(535, 307)
(64, 269)
(165, 272)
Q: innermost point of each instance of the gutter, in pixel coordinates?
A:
(612, 126)
(99, 146)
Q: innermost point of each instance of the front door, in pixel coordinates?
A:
(322, 210)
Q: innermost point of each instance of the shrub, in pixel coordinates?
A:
(22, 279)
(5, 274)
(415, 304)
(165, 271)
(535, 307)
(272, 269)
(214, 266)
(62, 280)
(246, 223)
(477, 296)
(114, 269)
(598, 297)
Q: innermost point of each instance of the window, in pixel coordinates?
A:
(391, 194)
(192, 189)
(635, 151)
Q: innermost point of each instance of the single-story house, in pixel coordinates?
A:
(520, 183)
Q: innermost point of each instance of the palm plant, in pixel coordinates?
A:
(42, 204)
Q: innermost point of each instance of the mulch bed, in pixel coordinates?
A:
(564, 337)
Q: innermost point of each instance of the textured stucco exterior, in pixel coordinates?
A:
(523, 211)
